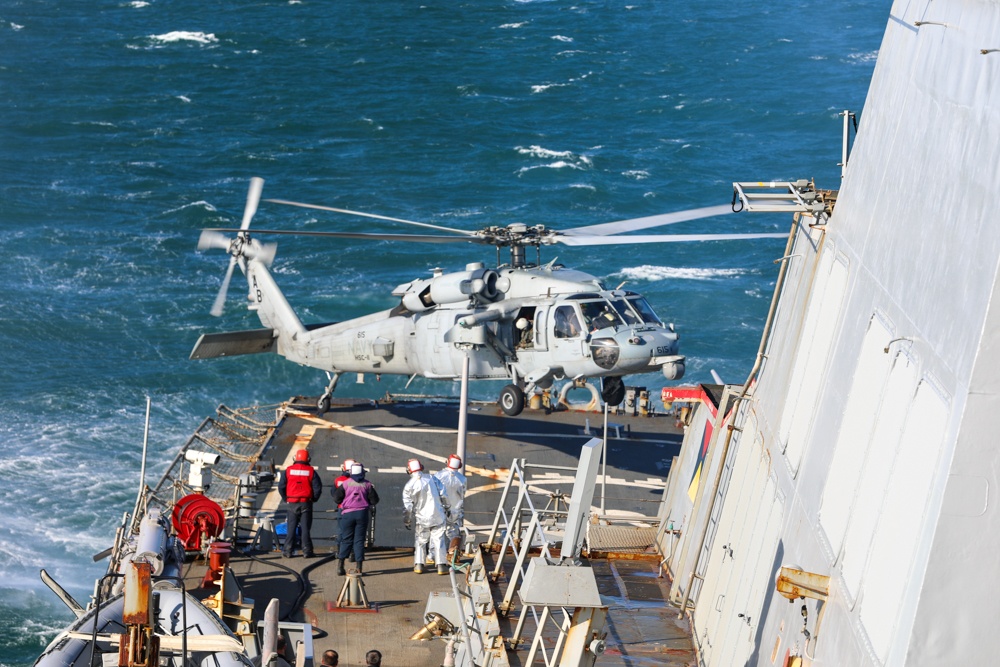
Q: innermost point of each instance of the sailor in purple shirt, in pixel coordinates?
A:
(355, 496)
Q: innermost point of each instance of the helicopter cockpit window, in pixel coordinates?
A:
(645, 310)
(599, 315)
(566, 323)
(630, 316)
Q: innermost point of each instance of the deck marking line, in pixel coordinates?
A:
(482, 472)
(520, 434)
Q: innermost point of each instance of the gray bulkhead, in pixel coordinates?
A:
(865, 451)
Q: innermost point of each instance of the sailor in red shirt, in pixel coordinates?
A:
(345, 474)
(300, 487)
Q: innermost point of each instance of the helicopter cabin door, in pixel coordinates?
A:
(566, 334)
(540, 332)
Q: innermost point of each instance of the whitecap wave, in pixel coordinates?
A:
(561, 159)
(185, 36)
(637, 174)
(560, 164)
(562, 38)
(200, 203)
(652, 273)
(862, 58)
(543, 153)
(138, 4)
(511, 26)
(541, 88)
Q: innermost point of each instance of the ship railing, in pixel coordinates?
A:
(541, 575)
(238, 436)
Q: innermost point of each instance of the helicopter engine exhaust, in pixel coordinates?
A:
(474, 282)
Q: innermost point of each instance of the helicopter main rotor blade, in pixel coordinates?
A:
(369, 215)
(635, 224)
(372, 236)
(211, 239)
(220, 298)
(660, 238)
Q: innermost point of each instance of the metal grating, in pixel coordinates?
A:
(620, 539)
(238, 436)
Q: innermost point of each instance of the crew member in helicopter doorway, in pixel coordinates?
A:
(300, 487)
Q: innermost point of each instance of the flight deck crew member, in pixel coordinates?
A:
(454, 483)
(346, 470)
(300, 487)
(356, 496)
(346, 475)
(425, 502)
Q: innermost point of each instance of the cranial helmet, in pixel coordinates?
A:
(302, 456)
(357, 468)
(414, 465)
(455, 462)
(346, 466)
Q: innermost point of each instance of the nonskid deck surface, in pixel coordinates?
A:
(383, 437)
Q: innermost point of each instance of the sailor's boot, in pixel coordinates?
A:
(340, 568)
(453, 546)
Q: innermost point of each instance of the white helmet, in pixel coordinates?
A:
(346, 465)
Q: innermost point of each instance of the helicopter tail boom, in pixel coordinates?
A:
(274, 311)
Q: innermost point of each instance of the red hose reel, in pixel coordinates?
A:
(196, 517)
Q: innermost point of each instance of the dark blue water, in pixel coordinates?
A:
(126, 127)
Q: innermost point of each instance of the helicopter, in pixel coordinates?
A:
(529, 323)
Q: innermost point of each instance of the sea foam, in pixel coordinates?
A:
(652, 273)
(185, 36)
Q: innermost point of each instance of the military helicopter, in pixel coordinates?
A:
(529, 323)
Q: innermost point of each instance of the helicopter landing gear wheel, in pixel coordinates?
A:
(323, 404)
(613, 390)
(512, 400)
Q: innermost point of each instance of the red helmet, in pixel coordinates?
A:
(455, 462)
(414, 465)
(302, 456)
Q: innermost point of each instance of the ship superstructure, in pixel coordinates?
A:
(840, 507)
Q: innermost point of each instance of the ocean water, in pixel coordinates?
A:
(126, 127)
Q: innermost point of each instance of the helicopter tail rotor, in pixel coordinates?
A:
(240, 246)
(220, 298)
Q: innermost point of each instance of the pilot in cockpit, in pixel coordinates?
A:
(566, 323)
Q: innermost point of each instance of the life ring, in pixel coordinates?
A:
(595, 400)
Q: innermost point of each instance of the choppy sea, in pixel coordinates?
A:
(126, 127)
